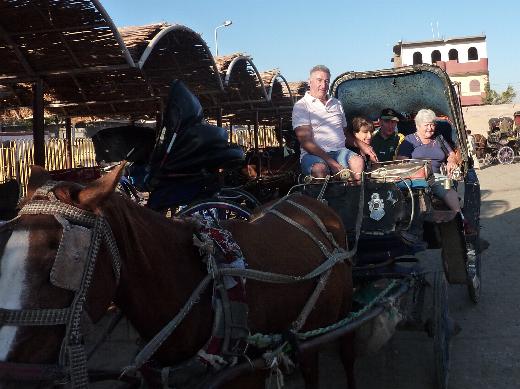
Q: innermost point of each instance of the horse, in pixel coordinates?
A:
(150, 274)
(480, 145)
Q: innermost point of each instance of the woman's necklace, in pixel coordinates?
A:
(421, 141)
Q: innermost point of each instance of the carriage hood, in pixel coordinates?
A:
(406, 90)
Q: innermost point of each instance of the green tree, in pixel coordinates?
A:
(507, 96)
(492, 97)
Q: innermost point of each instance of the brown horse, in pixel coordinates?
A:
(160, 267)
(480, 145)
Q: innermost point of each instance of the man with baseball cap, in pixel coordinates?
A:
(387, 139)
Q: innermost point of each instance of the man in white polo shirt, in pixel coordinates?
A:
(319, 122)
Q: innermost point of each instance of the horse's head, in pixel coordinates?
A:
(48, 280)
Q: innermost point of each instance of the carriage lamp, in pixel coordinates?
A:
(226, 23)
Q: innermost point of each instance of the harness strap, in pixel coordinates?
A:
(72, 353)
(80, 217)
(316, 220)
(78, 366)
(309, 305)
(293, 223)
(34, 317)
(153, 345)
(276, 278)
(68, 211)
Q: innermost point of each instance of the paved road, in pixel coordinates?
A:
(486, 354)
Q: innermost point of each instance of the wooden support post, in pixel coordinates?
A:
(68, 142)
(219, 117)
(38, 124)
(255, 132)
(279, 133)
(258, 159)
(231, 132)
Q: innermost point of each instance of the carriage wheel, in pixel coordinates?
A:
(441, 329)
(505, 155)
(488, 158)
(473, 266)
(238, 196)
(216, 209)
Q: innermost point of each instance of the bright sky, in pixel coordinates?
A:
(294, 35)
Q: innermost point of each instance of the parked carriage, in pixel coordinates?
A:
(190, 167)
(502, 143)
(396, 195)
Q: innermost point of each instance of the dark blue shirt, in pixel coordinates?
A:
(412, 147)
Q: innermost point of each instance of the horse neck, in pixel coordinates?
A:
(160, 267)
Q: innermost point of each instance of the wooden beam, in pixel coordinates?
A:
(68, 141)
(38, 124)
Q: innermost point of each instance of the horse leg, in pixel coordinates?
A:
(254, 380)
(309, 367)
(348, 357)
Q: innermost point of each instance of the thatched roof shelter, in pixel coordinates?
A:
(91, 68)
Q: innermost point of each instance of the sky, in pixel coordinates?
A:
(294, 35)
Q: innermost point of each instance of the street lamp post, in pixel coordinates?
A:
(226, 24)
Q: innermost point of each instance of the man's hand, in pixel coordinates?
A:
(367, 150)
(335, 166)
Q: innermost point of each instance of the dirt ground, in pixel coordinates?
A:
(483, 355)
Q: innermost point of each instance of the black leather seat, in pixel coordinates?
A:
(186, 144)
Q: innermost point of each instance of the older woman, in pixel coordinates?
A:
(424, 144)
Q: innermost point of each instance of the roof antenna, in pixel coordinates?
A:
(433, 33)
(438, 32)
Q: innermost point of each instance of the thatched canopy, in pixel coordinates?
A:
(91, 68)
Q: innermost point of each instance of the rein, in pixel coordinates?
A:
(72, 362)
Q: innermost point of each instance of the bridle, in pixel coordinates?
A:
(72, 361)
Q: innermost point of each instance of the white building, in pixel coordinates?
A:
(464, 59)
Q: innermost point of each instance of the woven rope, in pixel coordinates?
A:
(34, 317)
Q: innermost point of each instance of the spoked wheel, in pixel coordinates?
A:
(239, 196)
(216, 209)
(473, 266)
(505, 155)
(442, 330)
(488, 158)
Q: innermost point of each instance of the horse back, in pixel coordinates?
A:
(271, 244)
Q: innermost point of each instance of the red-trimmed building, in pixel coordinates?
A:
(463, 58)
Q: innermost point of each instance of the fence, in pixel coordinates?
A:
(245, 137)
(16, 158)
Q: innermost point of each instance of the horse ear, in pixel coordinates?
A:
(38, 177)
(94, 194)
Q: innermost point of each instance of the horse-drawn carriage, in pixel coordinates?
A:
(502, 143)
(148, 265)
(190, 166)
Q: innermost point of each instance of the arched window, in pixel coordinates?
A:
(417, 58)
(436, 56)
(453, 55)
(472, 54)
(474, 86)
